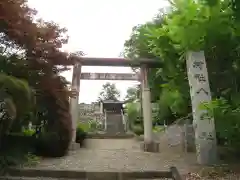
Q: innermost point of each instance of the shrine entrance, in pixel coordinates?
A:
(114, 121)
(203, 123)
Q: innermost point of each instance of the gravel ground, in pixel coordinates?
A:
(103, 155)
(118, 155)
(194, 176)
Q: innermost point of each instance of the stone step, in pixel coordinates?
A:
(46, 178)
(107, 135)
(33, 178)
(45, 174)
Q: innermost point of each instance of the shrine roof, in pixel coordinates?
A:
(92, 61)
(112, 102)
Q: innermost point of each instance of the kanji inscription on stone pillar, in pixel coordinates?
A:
(203, 123)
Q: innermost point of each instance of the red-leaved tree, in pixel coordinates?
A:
(40, 41)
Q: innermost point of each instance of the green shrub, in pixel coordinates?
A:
(158, 128)
(226, 115)
(93, 125)
(138, 130)
(17, 157)
(14, 140)
(51, 144)
(28, 132)
(80, 134)
(84, 126)
(54, 123)
(133, 114)
(17, 149)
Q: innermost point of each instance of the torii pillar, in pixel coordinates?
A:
(74, 103)
(149, 145)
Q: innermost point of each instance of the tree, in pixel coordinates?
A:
(109, 92)
(32, 52)
(133, 93)
(194, 25)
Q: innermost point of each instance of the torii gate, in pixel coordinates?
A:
(204, 127)
(144, 65)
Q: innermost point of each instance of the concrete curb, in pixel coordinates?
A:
(31, 173)
(33, 178)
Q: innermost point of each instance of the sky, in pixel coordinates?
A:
(99, 28)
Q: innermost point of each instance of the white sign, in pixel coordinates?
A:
(110, 76)
(204, 127)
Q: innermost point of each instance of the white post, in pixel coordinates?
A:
(205, 136)
(123, 120)
(74, 101)
(30, 125)
(101, 107)
(147, 111)
(105, 120)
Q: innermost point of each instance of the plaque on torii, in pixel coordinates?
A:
(110, 76)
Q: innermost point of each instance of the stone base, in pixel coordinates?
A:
(74, 146)
(188, 138)
(190, 148)
(150, 147)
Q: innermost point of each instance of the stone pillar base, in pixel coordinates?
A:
(150, 147)
(190, 149)
(188, 138)
(74, 146)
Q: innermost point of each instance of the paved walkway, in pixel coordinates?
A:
(118, 155)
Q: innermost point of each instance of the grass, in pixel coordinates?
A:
(158, 128)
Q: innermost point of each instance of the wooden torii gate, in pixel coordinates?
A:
(204, 127)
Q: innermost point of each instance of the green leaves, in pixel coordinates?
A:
(109, 92)
(193, 25)
(192, 22)
(173, 99)
(133, 94)
(18, 90)
(186, 25)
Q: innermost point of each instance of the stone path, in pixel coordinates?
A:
(118, 155)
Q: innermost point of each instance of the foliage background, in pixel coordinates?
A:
(188, 25)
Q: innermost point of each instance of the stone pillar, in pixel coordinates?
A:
(203, 123)
(74, 101)
(149, 144)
